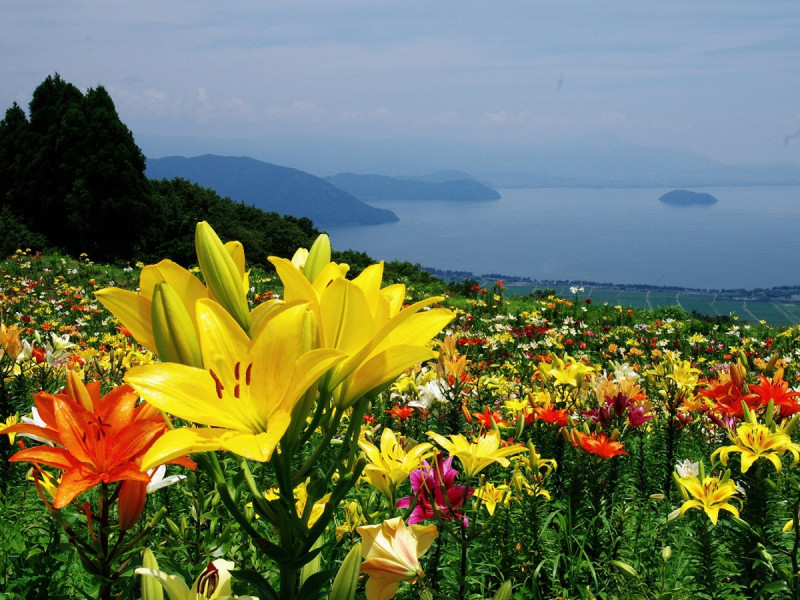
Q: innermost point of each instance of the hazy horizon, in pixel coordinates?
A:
(715, 78)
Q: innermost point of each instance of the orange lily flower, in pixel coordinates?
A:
(486, 417)
(98, 440)
(777, 390)
(602, 446)
(401, 412)
(551, 415)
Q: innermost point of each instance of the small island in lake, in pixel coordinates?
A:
(686, 198)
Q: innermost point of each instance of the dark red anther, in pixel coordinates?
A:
(208, 581)
(220, 387)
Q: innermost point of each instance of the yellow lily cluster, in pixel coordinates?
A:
(243, 374)
(530, 471)
(564, 371)
(378, 336)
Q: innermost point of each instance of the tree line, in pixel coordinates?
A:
(72, 180)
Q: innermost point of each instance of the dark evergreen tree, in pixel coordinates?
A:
(15, 148)
(77, 176)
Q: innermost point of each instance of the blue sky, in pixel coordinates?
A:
(721, 78)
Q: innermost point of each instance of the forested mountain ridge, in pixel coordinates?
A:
(381, 187)
(271, 187)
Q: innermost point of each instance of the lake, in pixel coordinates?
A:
(749, 239)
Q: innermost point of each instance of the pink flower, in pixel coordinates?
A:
(435, 492)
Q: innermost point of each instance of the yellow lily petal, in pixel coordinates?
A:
(185, 283)
(180, 442)
(134, 312)
(185, 392)
(380, 370)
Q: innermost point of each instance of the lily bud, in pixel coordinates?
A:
(77, 391)
(504, 593)
(151, 587)
(222, 275)
(773, 360)
(312, 567)
(299, 259)
(346, 581)
(679, 485)
(318, 257)
(173, 330)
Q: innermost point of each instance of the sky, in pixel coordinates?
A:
(719, 78)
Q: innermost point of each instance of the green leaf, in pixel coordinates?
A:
(625, 568)
(254, 578)
(774, 587)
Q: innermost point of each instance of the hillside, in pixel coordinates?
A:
(380, 187)
(271, 188)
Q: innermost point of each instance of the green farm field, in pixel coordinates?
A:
(773, 313)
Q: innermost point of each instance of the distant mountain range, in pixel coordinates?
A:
(271, 188)
(380, 187)
(592, 160)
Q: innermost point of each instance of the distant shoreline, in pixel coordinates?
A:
(791, 293)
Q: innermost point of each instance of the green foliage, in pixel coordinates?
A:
(15, 235)
(261, 233)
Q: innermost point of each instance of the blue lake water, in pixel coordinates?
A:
(749, 239)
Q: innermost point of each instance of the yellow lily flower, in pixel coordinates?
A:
(755, 441)
(12, 420)
(686, 376)
(709, 494)
(392, 464)
(477, 455)
(245, 392)
(301, 499)
(391, 554)
(367, 322)
(353, 517)
(532, 486)
(490, 496)
(564, 372)
(10, 345)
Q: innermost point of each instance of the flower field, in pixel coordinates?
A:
(301, 433)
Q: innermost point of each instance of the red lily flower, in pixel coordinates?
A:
(776, 390)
